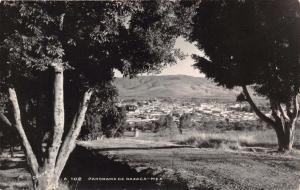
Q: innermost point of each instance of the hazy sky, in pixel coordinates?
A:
(183, 67)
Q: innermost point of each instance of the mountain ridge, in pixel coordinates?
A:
(175, 86)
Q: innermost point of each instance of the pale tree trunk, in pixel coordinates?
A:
(70, 140)
(285, 117)
(47, 180)
(59, 151)
(46, 177)
(31, 159)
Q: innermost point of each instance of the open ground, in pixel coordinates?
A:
(193, 160)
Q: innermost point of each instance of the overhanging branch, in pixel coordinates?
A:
(261, 115)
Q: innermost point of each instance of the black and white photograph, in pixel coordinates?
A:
(150, 95)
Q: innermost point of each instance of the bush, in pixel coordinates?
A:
(111, 123)
(185, 121)
(166, 126)
(114, 122)
(91, 128)
(145, 126)
(216, 142)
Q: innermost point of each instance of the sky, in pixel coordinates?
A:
(183, 67)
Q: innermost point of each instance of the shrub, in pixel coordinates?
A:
(185, 121)
(114, 122)
(165, 125)
(91, 128)
(111, 123)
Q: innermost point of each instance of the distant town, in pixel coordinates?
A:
(149, 110)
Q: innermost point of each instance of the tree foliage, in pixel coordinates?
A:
(94, 38)
(165, 123)
(240, 97)
(104, 117)
(185, 121)
(254, 43)
(250, 42)
(89, 38)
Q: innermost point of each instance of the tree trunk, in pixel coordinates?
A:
(284, 119)
(43, 126)
(31, 159)
(11, 150)
(285, 135)
(46, 177)
(47, 181)
(58, 126)
(70, 140)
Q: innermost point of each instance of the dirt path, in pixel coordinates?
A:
(205, 168)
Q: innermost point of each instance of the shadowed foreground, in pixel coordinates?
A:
(136, 164)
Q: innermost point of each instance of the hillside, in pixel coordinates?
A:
(172, 86)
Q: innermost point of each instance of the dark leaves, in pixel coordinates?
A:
(250, 42)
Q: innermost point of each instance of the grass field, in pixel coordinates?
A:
(201, 139)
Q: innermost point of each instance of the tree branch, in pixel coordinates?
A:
(261, 115)
(69, 142)
(283, 114)
(31, 159)
(274, 108)
(5, 120)
(288, 110)
(61, 21)
(295, 107)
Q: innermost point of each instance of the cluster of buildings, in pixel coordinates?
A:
(139, 111)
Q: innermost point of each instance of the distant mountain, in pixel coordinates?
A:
(172, 86)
